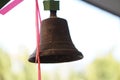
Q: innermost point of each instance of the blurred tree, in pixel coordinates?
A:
(5, 66)
(28, 71)
(105, 68)
(76, 75)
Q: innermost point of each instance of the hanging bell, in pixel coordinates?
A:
(56, 45)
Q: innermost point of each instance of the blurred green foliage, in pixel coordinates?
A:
(102, 68)
(28, 71)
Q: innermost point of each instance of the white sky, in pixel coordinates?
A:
(92, 30)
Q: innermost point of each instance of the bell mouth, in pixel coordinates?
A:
(58, 56)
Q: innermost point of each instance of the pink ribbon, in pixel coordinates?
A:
(38, 24)
(10, 6)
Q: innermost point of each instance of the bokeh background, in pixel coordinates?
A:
(94, 32)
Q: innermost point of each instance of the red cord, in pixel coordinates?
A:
(38, 19)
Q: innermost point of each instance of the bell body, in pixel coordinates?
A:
(56, 45)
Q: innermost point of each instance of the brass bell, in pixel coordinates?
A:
(56, 44)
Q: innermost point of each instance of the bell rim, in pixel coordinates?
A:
(73, 55)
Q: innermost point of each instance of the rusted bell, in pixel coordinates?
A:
(56, 44)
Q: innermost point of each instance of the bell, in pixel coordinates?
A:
(56, 44)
